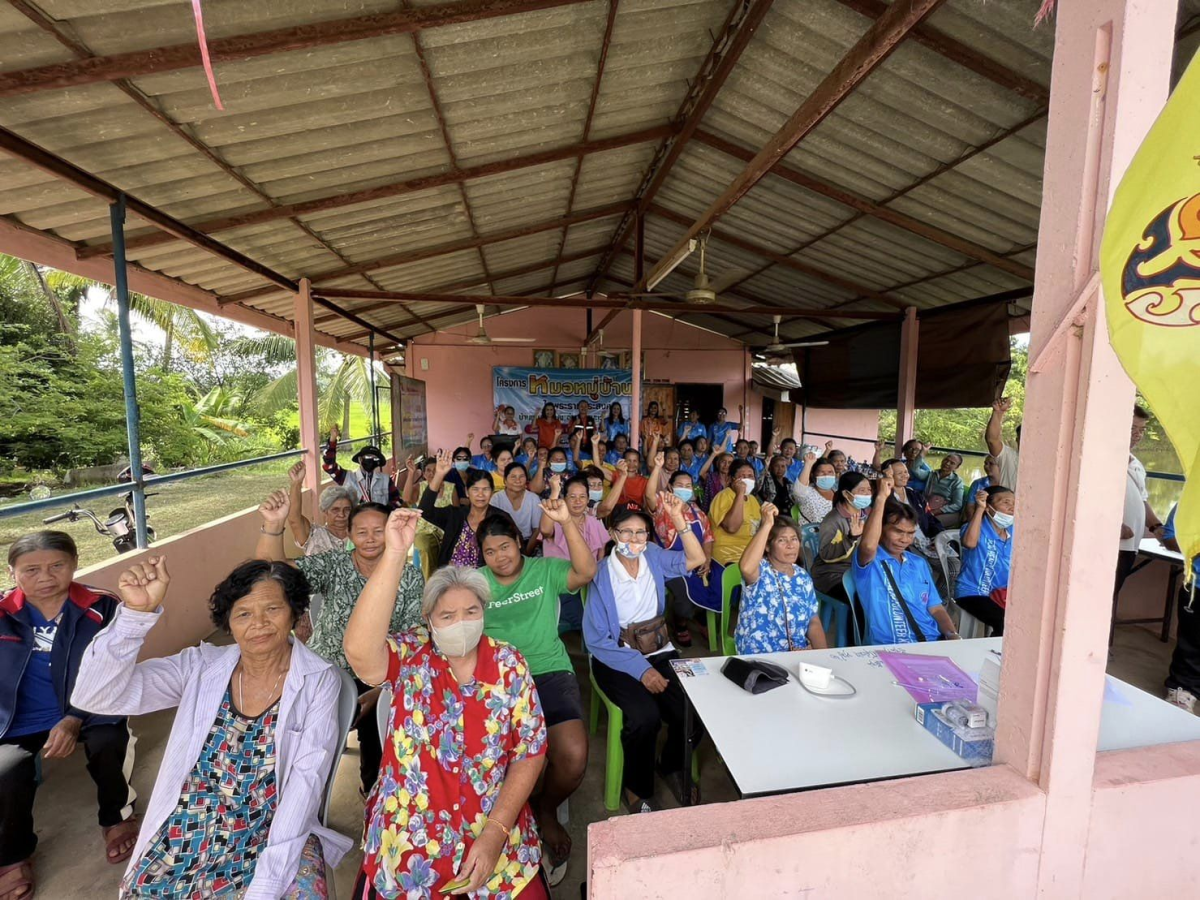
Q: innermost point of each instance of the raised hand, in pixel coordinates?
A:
(470, 439)
(660, 459)
(810, 457)
(144, 585)
(769, 512)
(542, 456)
(856, 525)
(879, 445)
(401, 530)
(828, 448)
(884, 487)
(776, 432)
(556, 481)
(622, 467)
(335, 433)
(444, 463)
(981, 499)
(1003, 405)
(556, 511)
(274, 510)
(410, 463)
(296, 473)
(558, 433)
(674, 507)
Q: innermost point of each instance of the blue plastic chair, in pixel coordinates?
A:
(835, 614)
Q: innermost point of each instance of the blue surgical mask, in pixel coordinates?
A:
(462, 464)
(826, 482)
(596, 496)
(684, 494)
(1003, 520)
(861, 501)
(558, 467)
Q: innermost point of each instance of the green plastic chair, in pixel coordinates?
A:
(730, 578)
(614, 752)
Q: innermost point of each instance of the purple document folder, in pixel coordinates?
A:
(930, 679)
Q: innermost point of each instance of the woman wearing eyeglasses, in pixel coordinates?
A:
(625, 630)
(779, 605)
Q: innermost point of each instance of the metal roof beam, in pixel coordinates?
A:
(387, 191)
(876, 210)
(956, 51)
(743, 20)
(602, 59)
(611, 302)
(538, 266)
(733, 240)
(860, 61)
(247, 46)
(411, 256)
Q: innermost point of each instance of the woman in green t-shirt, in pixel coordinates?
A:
(524, 612)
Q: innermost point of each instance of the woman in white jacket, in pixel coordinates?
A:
(234, 807)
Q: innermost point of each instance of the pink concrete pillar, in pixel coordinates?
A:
(306, 386)
(906, 402)
(635, 404)
(1112, 62)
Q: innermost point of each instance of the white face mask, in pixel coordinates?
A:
(749, 483)
(629, 551)
(459, 639)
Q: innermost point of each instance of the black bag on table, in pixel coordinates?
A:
(754, 675)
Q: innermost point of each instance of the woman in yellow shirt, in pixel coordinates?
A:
(734, 514)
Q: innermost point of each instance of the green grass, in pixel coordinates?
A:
(174, 509)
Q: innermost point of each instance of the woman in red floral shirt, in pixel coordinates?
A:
(464, 747)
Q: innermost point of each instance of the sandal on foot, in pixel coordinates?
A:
(683, 637)
(16, 881)
(123, 833)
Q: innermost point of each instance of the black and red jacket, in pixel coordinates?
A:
(87, 611)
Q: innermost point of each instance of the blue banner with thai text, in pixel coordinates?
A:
(527, 391)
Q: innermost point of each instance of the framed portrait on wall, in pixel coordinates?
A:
(568, 360)
(544, 359)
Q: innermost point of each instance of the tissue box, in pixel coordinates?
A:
(974, 745)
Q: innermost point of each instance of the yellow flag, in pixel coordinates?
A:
(1150, 265)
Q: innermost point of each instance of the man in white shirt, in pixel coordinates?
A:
(1138, 518)
(1006, 457)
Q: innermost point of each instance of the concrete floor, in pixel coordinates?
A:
(70, 858)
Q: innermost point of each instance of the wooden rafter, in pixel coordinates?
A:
(958, 52)
(875, 210)
(39, 18)
(602, 59)
(860, 61)
(247, 46)
(743, 20)
(387, 191)
(459, 284)
(411, 256)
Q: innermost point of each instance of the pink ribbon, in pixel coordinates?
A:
(208, 69)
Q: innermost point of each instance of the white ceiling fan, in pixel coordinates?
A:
(776, 349)
(482, 337)
(705, 291)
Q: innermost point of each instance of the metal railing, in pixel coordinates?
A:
(150, 481)
(1165, 476)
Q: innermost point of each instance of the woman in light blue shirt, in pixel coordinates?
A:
(987, 542)
(779, 607)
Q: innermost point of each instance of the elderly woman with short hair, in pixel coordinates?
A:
(234, 810)
(335, 504)
(464, 747)
(944, 490)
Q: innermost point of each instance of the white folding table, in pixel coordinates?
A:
(1149, 549)
(788, 739)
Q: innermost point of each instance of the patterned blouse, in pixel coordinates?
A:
(446, 751)
(466, 551)
(775, 612)
(209, 845)
(334, 575)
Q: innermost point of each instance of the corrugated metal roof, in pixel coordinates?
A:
(310, 124)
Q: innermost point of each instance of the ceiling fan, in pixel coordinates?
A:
(481, 336)
(776, 349)
(704, 291)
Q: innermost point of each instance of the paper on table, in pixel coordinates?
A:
(1112, 695)
(930, 679)
(689, 668)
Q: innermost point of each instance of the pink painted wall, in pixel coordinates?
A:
(863, 423)
(197, 560)
(962, 834)
(459, 375)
